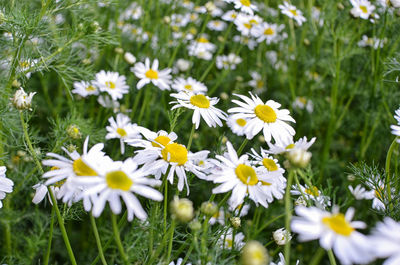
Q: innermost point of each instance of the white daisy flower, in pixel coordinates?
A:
(202, 105)
(121, 179)
(263, 116)
(292, 12)
(236, 125)
(335, 231)
(281, 236)
(360, 193)
(396, 128)
(112, 83)
(371, 42)
(231, 15)
(303, 103)
(179, 262)
(386, 241)
(257, 82)
(245, 6)
(225, 241)
(313, 194)
(123, 129)
(218, 217)
(270, 33)
(22, 100)
(107, 102)
(188, 84)
(378, 188)
(41, 191)
(202, 43)
(288, 144)
(147, 74)
(84, 89)
(237, 174)
(6, 184)
(362, 8)
(228, 61)
(248, 41)
(240, 210)
(245, 23)
(216, 25)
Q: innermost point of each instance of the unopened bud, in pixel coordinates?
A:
(182, 209)
(209, 208)
(195, 225)
(22, 100)
(300, 201)
(281, 236)
(74, 132)
(119, 50)
(129, 58)
(254, 253)
(299, 157)
(235, 221)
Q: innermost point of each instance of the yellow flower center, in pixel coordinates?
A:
(302, 100)
(81, 169)
(193, 30)
(246, 174)
(247, 25)
(24, 64)
(175, 153)
(269, 31)
(364, 9)
(264, 183)
(110, 84)
(245, 2)
(90, 88)
(59, 183)
(241, 122)
(378, 193)
(269, 164)
(338, 224)
(161, 141)
(265, 113)
(312, 191)
(290, 146)
(118, 180)
(200, 101)
(151, 74)
(188, 87)
(121, 132)
(202, 40)
(294, 12)
(260, 84)
(229, 242)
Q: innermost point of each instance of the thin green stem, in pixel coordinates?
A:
(288, 212)
(331, 257)
(171, 237)
(191, 136)
(268, 223)
(118, 238)
(47, 256)
(242, 146)
(165, 201)
(316, 259)
(387, 171)
(98, 241)
(39, 167)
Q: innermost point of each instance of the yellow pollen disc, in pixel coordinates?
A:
(193, 31)
(201, 163)
(188, 87)
(134, 31)
(245, 2)
(90, 88)
(253, 21)
(265, 113)
(76, 130)
(234, 15)
(303, 100)
(200, 101)
(246, 174)
(110, 84)
(312, 191)
(364, 9)
(269, 31)
(121, 132)
(216, 215)
(265, 183)
(202, 40)
(269, 164)
(175, 153)
(260, 84)
(161, 141)
(151, 74)
(294, 12)
(54, 168)
(24, 64)
(59, 183)
(247, 25)
(290, 146)
(241, 122)
(338, 224)
(118, 180)
(81, 169)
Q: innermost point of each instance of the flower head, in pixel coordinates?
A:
(22, 100)
(151, 74)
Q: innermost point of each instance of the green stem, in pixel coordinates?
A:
(316, 259)
(165, 201)
(242, 146)
(39, 167)
(98, 241)
(171, 237)
(118, 239)
(288, 212)
(47, 256)
(387, 171)
(331, 257)
(268, 223)
(204, 239)
(191, 136)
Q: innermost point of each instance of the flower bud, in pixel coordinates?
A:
(195, 225)
(281, 236)
(119, 50)
(182, 209)
(183, 65)
(300, 201)
(74, 132)
(22, 100)
(254, 253)
(299, 157)
(129, 58)
(209, 208)
(235, 221)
